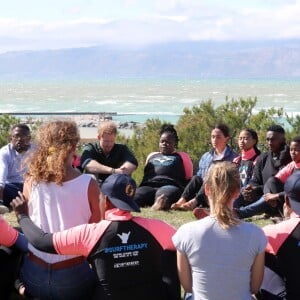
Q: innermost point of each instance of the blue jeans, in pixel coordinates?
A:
(72, 283)
(260, 206)
(10, 192)
(256, 208)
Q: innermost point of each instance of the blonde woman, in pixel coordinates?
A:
(59, 197)
(220, 257)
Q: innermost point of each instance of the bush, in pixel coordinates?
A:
(6, 122)
(194, 128)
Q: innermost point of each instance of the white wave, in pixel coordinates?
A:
(148, 113)
(90, 97)
(276, 95)
(189, 101)
(104, 102)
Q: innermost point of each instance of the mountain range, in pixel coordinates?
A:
(206, 59)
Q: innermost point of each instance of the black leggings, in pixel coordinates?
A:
(146, 195)
(192, 188)
(195, 189)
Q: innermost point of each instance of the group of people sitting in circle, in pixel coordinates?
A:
(78, 237)
(169, 183)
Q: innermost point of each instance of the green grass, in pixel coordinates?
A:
(177, 218)
(11, 218)
(173, 217)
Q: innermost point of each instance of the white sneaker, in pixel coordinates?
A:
(3, 209)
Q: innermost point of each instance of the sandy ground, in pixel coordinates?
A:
(91, 132)
(88, 124)
(88, 132)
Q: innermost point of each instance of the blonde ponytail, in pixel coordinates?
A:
(223, 181)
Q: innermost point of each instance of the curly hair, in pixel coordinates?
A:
(223, 180)
(169, 128)
(55, 141)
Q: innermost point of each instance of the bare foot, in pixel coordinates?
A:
(190, 205)
(160, 203)
(178, 204)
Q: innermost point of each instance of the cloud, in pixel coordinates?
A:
(169, 20)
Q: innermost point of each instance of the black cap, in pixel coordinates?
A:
(120, 190)
(292, 191)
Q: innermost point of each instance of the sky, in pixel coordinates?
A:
(57, 24)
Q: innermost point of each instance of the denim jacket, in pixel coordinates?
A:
(208, 157)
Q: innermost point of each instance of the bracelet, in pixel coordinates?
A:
(112, 171)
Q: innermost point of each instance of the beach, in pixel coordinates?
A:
(89, 133)
(88, 126)
(87, 123)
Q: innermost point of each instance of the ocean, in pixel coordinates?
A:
(139, 99)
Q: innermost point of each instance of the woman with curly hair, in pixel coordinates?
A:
(59, 197)
(166, 172)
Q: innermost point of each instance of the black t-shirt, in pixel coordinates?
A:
(117, 156)
(164, 169)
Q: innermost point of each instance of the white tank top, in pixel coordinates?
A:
(55, 208)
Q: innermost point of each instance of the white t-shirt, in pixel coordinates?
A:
(220, 259)
(219, 156)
